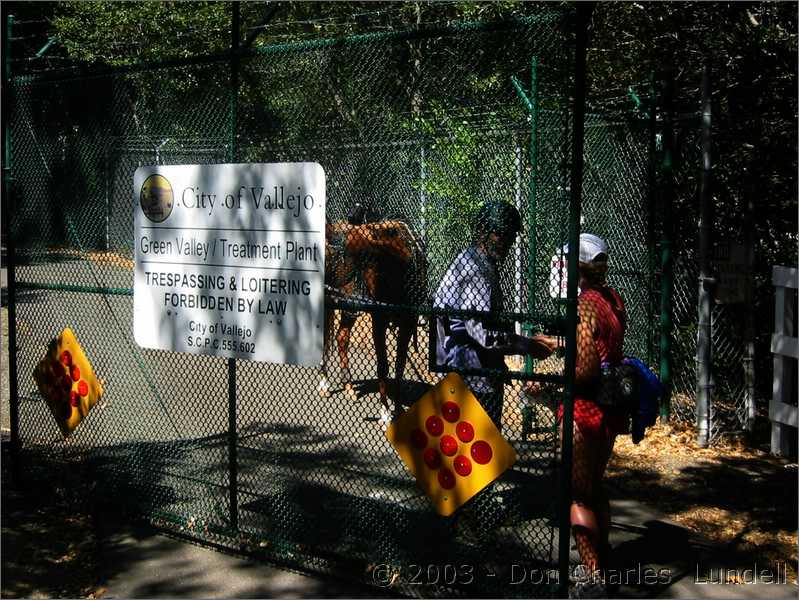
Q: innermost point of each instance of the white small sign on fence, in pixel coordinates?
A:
(733, 274)
(230, 260)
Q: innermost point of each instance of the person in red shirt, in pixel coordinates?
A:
(600, 340)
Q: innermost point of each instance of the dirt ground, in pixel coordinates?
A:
(735, 494)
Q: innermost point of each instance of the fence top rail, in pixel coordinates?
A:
(557, 17)
(787, 277)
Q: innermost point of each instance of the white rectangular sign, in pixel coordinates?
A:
(733, 273)
(230, 260)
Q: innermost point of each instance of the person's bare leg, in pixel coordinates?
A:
(584, 521)
(602, 503)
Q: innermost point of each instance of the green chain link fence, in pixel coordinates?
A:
(420, 126)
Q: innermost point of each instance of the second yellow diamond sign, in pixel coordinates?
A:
(67, 382)
(450, 444)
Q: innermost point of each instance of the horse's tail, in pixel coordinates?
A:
(327, 332)
(418, 293)
(418, 264)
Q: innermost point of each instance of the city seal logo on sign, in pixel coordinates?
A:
(156, 198)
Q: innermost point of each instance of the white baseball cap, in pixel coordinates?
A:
(591, 246)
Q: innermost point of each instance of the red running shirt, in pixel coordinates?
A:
(611, 322)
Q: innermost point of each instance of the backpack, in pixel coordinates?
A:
(633, 388)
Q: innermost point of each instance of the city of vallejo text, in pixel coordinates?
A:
(295, 201)
(273, 199)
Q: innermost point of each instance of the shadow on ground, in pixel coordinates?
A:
(308, 499)
(57, 542)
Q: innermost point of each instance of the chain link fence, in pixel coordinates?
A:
(616, 194)
(733, 403)
(419, 127)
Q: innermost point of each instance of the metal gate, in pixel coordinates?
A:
(421, 126)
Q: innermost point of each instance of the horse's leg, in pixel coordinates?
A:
(405, 329)
(345, 325)
(379, 326)
(343, 342)
(324, 382)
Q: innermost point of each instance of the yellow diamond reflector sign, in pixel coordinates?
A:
(449, 443)
(67, 382)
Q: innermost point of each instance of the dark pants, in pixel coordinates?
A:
(483, 512)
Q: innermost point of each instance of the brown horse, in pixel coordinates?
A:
(390, 264)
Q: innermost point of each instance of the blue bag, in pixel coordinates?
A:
(649, 391)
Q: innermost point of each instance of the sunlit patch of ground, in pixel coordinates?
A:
(734, 494)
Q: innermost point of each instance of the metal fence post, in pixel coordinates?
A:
(704, 341)
(531, 104)
(666, 249)
(749, 324)
(651, 208)
(8, 211)
(578, 132)
(749, 191)
(531, 279)
(231, 362)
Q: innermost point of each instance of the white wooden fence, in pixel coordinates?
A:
(785, 348)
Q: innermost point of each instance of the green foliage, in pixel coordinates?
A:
(461, 162)
(751, 47)
(120, 34)
(454, 143)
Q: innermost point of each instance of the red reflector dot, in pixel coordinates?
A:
(75, 373)
(83, 388)
(465, 431)
(66, 358)
(418, 438)
(449, 445)
(434, 425)
(451, 411)
(446, 479)
(432, 458)
(481, 452)
(463, 466)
